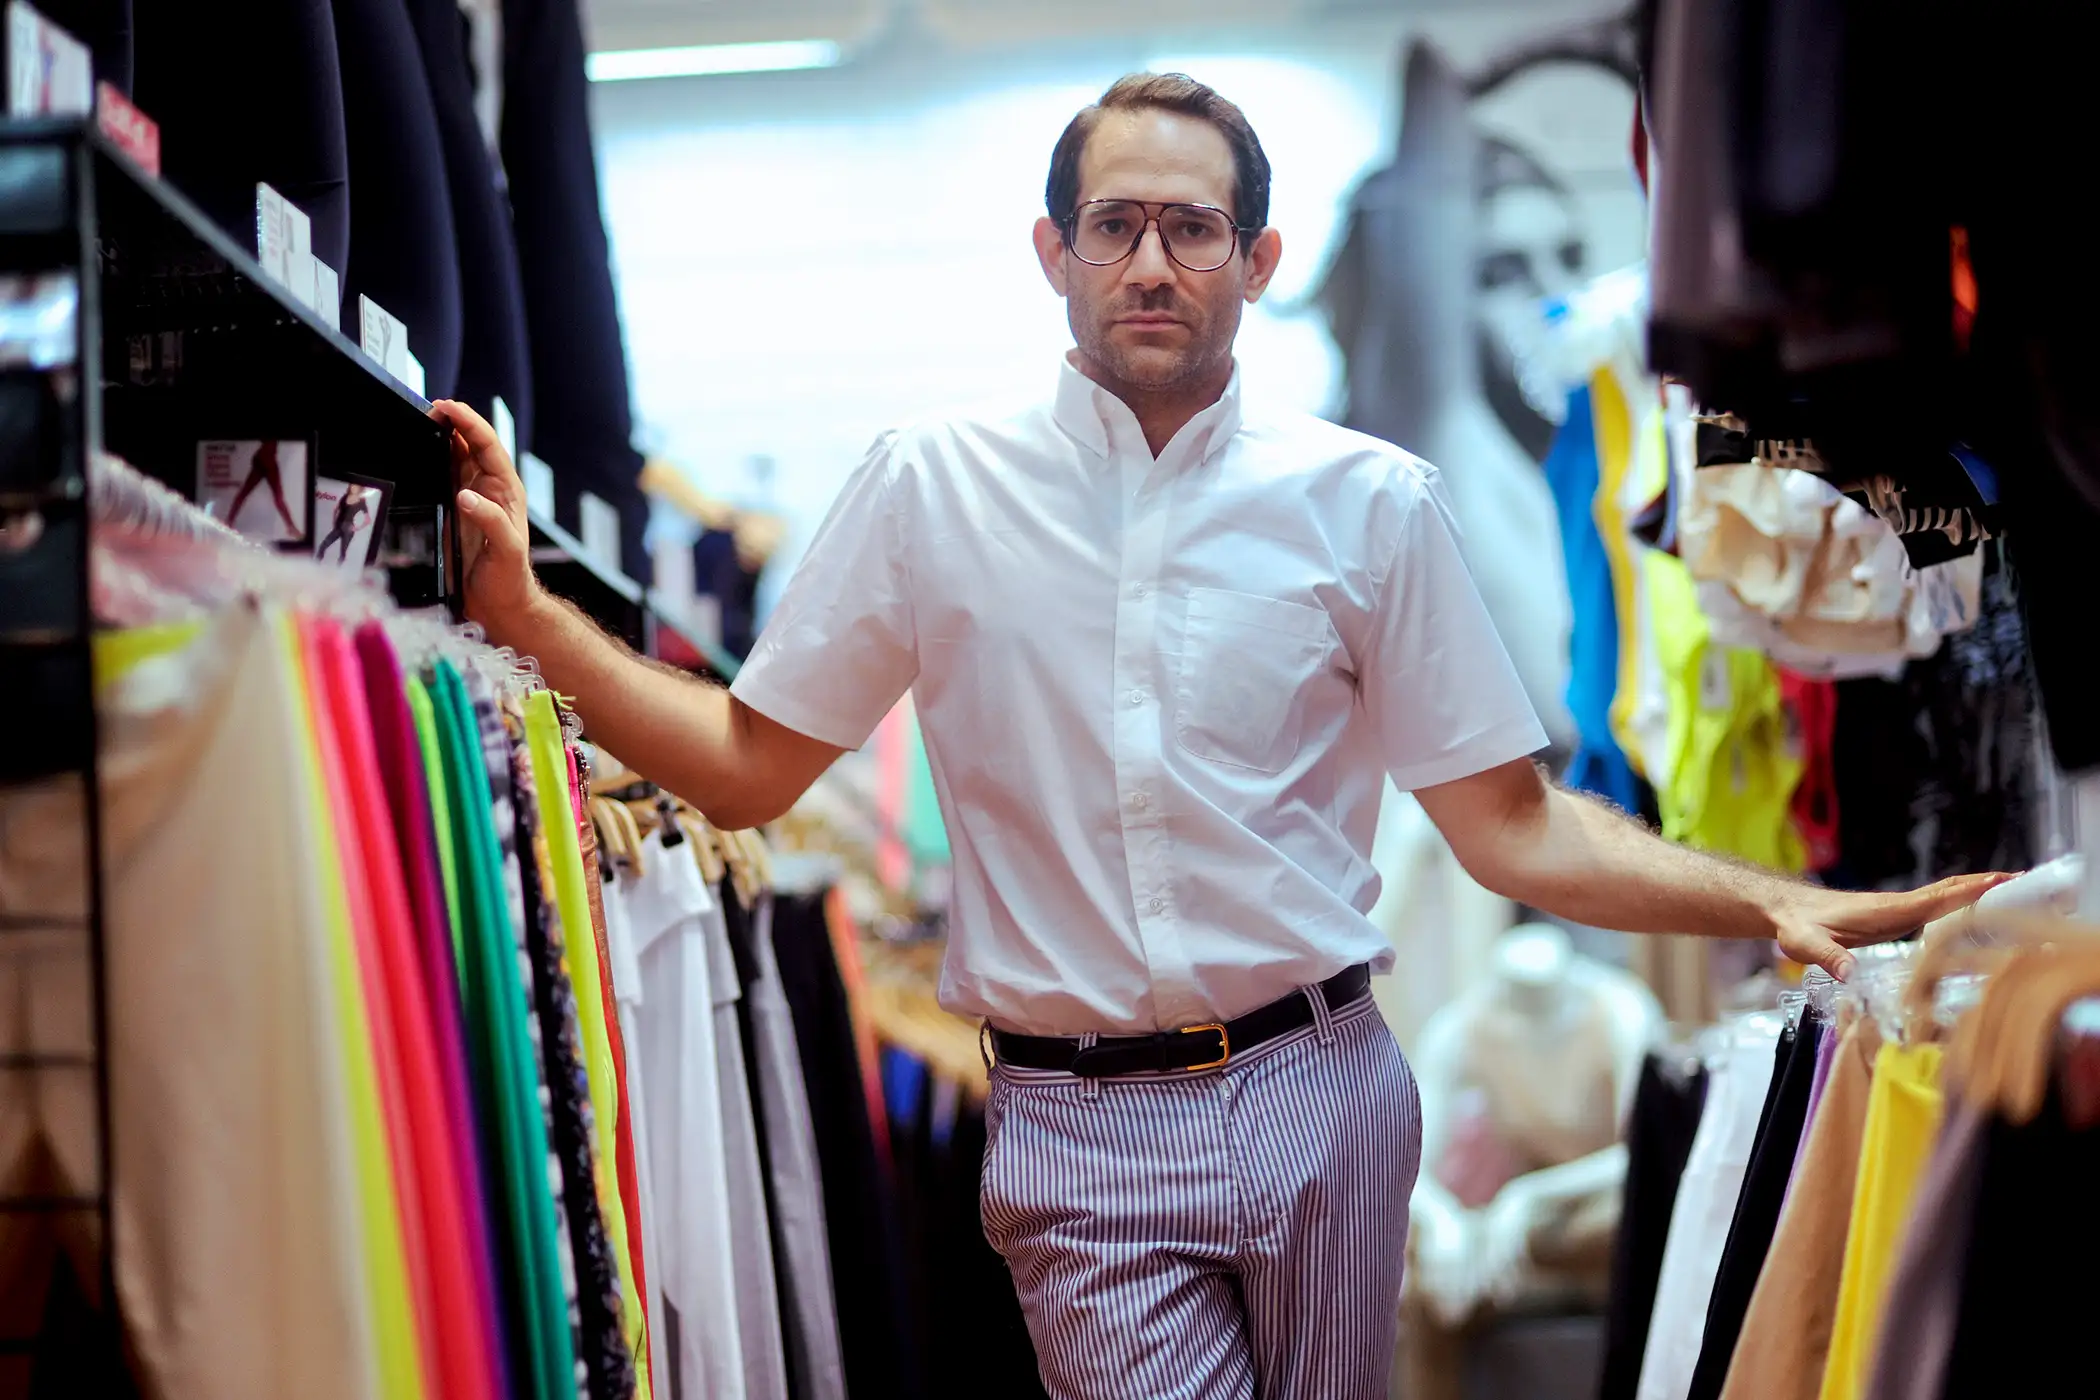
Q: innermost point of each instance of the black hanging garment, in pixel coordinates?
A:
(583, 423)
(859, 1208)
(404, 253)
(2026, 1316)
(493, 361)
(268, 108)
(1665, 1117)
(1757, 1205)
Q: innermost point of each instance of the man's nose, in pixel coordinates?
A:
(1150, 266)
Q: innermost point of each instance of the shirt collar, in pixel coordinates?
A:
(1092, 414)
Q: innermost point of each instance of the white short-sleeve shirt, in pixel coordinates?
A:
(1159, 696)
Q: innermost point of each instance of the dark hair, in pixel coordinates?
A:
(1171, 92)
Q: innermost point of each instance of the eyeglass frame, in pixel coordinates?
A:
(1155, 210)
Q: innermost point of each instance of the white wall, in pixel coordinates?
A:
(807, 258)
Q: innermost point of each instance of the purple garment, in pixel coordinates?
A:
(1826, 1055)
(408, 799)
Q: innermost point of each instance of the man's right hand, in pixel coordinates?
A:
(495, 539)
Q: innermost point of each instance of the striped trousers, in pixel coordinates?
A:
(1214, 1235)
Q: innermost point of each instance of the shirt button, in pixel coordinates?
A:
(1158, 904)
(1141, 590)
(1137, 697)
(1139, 800)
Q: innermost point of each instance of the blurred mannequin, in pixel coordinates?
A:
(1525, 1083)
(1403, 303)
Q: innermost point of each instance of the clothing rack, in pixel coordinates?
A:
(130, 323)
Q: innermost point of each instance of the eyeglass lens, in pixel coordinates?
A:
(1108, 230)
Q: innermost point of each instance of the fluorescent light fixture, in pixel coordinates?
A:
(701, 60)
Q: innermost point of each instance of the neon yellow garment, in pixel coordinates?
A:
(1703, 724)
(116, 652)
(379, 1197)
(425, 716)
(554, 795)
(1903, 1119)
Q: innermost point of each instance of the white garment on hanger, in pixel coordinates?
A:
(664, 910)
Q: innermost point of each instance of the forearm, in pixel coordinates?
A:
(672, 728)
(1578, 858)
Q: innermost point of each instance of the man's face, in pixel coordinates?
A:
(1147, 322)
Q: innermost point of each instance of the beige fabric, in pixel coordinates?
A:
(1792, 567)
(238, 1266)
(1785, 1341)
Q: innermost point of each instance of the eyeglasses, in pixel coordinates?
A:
(1103, 232)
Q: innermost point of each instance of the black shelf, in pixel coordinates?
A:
(615, 601)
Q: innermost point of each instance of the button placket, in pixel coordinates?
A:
(1140, 727)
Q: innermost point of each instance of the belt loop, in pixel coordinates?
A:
(1323, 1018)
(1089, 1085)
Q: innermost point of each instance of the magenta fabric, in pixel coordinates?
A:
(1826, 1053)
(408, 797)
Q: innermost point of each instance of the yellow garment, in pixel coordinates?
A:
(1614, 427)
(1903, 1118)
(395, 1332)
(1702, 723)
(116, 652)
(554, 794)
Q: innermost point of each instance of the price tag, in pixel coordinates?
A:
(506, 425)
(539, 486)
(299, 277)
(328, 295)
(600, 529)
(273, 234)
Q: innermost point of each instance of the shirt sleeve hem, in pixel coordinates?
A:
(813, 721)
(1510, 740)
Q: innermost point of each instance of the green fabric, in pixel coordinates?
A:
(497, 1003)
(925, 833)
(440, 809)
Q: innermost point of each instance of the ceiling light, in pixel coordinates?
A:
(701, 60)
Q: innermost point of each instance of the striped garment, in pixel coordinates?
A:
(1217, 1234)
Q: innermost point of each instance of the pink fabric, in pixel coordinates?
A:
(400, 755)
(418, 1135)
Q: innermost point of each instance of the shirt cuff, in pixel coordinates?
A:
(795, 710)
(1490, 748)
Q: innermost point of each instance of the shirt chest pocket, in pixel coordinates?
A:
(1246, 665)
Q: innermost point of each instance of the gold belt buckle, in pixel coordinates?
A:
(1224, 1046)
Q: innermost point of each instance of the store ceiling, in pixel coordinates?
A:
(629, 24)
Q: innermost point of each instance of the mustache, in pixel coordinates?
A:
(1153, 301)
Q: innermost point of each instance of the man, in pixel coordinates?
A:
(1164, 651)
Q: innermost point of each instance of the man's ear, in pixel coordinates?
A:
(1263, 254)
(1050, 252)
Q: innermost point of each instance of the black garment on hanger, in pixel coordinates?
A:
(1757, 1206)
(965, 1313)
(493, 361)
(2026, 1321)
(859, 1206)
(268, 108)
(1659, 1131)
(404, 252)
(583, 422)
(1935, 771)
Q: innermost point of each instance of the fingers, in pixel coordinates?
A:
(467, 423)
(1815, 946)
(499, 533)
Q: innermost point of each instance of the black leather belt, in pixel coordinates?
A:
(1191, 1047)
